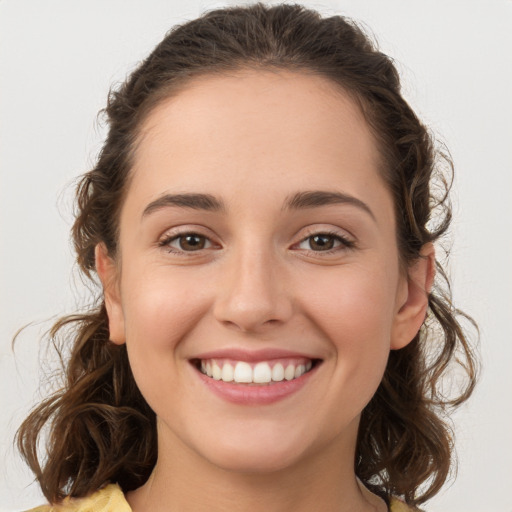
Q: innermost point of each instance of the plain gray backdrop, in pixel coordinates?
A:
(57, 61)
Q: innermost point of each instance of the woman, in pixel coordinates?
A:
(271, 335)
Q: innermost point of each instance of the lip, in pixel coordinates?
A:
(238, 354)
(244, 394)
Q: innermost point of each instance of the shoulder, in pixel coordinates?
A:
(397, 505)
(108, 499)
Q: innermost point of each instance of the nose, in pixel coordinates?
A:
(253, 293)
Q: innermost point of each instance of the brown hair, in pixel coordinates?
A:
(100, 427)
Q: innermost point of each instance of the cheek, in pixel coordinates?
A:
(355, 312)
(354, 303)
(160, 309)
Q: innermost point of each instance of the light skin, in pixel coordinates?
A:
(231, 161)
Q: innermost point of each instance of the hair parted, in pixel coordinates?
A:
(100, 427)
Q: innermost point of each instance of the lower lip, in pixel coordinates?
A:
(244, 394)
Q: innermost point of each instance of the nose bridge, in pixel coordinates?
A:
(253, 291)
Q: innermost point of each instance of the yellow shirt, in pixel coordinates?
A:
(111, 499)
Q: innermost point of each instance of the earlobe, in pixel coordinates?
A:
(413, 309)
(108, 274)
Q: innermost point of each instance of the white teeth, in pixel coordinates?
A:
(243, 372)
(216, 371)
(262, 373)
(278, 373)
(227, 373)
(300, 370)
(289, 372)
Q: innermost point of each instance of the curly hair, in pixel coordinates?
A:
(100, 427)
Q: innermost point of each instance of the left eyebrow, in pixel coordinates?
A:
(316, 198)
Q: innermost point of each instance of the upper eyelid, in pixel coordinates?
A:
(327, 232)
(307, 232)
(166, 239)
(178, 231)
(343, 240)
(331, 230)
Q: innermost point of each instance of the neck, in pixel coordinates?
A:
(184, 481)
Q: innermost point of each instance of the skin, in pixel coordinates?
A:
(252, 140)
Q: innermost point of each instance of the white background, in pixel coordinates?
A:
(57, 61)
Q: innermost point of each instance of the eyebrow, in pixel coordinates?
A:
(192, 201)
(298, 201)
(316, 198)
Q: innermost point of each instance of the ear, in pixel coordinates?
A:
(413, 302)
(108, 273)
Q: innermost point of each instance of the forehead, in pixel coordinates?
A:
(257, 105)
(256, 129)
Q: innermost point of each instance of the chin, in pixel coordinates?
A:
(256, 456)
(260, 463)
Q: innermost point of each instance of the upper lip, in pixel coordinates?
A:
(238, 354)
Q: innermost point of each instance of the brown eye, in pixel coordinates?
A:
(191, 242)
(321, 242)
(186, 242)
(325, 242)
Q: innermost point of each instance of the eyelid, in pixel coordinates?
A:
(185, 229)
(172, 234)
(323, 229)
(337, 238)
(208, 242)
(346, 242)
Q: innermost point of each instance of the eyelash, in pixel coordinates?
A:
(166, 241)
(345, 243)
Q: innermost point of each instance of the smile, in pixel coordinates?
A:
(256, 373)
(255, 377)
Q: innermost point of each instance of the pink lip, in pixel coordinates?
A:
(244, 394)
(253, 355)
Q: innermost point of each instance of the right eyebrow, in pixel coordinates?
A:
(316, 198)
(194, 201)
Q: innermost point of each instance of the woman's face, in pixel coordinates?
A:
(257, 242)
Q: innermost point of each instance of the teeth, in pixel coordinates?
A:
(227, 373)
(289, 373)
(216, 371)
(243, 372)
(300, 370)
(278, 373)
(262, 372)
